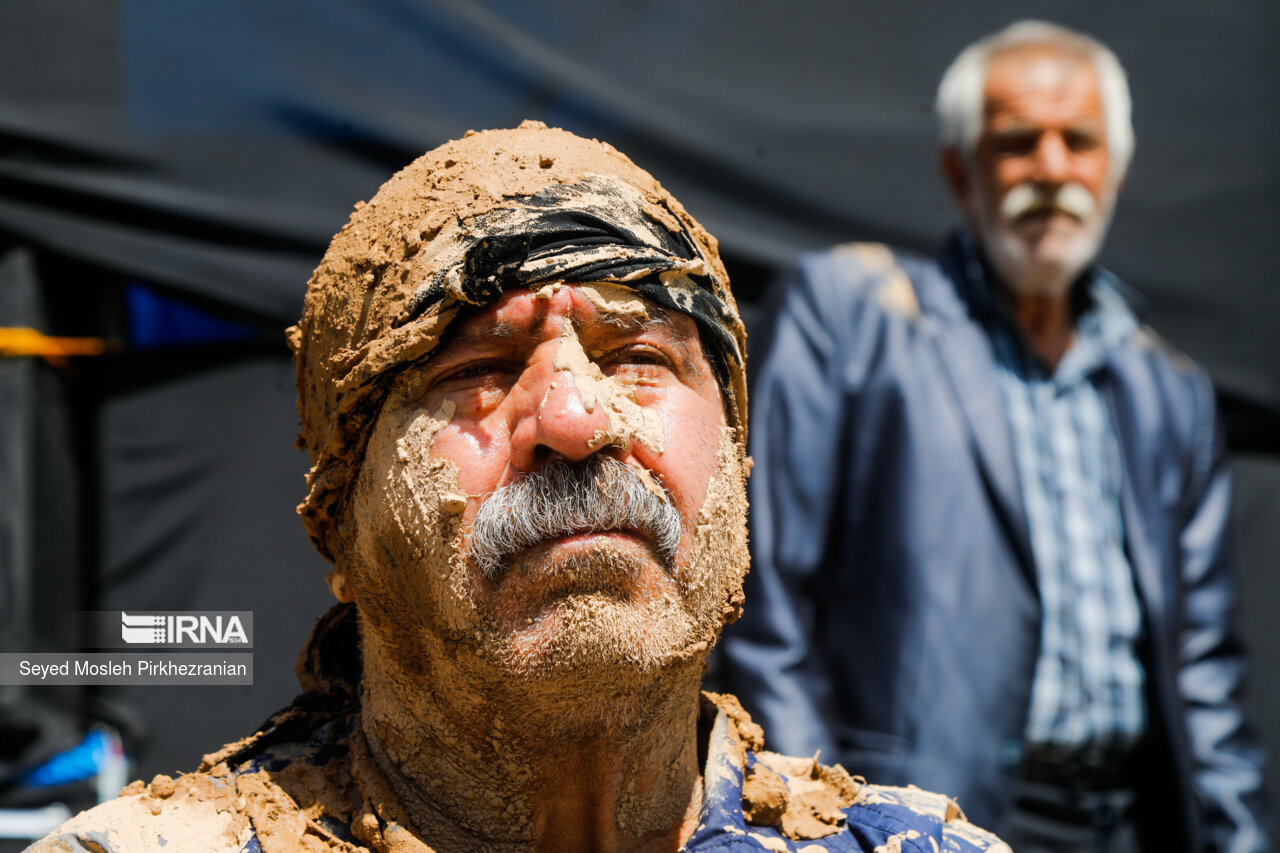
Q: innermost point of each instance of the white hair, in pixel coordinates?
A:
(960, 93)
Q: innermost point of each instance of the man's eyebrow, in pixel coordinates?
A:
(467, 337)
(658, 317)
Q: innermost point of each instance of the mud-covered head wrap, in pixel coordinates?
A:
(458, 227)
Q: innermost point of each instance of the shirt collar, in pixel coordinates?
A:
(722, 780)
(1105, 316)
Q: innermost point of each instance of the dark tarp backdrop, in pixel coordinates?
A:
(170, 172)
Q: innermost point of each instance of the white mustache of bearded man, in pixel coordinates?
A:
(1027, 198)
(564, 499)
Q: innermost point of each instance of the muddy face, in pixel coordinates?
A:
(445, 235)
(557, 379)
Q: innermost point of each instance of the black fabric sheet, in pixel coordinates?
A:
(214, 148)
(199, 482)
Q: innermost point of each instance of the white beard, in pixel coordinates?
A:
(1048, 265)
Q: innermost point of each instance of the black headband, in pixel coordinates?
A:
(599, 229)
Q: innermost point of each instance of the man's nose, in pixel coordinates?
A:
(564, 416)
(1052, 159)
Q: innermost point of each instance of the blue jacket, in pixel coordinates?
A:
(892, 618)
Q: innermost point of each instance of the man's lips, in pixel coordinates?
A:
(575, 563)
(587, 534)
(1038, 214)
(582, 540)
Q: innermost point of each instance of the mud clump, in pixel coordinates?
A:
(801, 797)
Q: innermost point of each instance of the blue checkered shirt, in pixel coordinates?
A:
(1087, 695)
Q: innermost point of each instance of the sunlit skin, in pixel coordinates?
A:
(515, 411)
(1043, 122)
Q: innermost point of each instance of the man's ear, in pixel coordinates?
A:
(339, 586)
(341, 538)
(955, 168)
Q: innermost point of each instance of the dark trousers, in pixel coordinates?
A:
(1053, 817)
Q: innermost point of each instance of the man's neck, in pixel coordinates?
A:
(1047, 322)
(1041, 306)
(492, 766)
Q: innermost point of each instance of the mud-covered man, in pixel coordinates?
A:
(520, 373)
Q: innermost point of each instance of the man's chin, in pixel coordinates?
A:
(583, 603)
(1042, 261)
(596, 634)
(615, 564)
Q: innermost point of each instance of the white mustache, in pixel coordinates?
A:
(1072, 199)
(600, 494)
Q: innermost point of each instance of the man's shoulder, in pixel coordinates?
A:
(801, 804)
(278, 782)
(196, 811)
(1170, 389)
(873, 815)
(1150, 344)
(920, 815)
(794, 804)
(1119, 304)
(883, 276)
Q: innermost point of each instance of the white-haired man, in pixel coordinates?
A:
(990, 508)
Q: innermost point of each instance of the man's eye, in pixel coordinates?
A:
(1082, 141)
(1014, 144)
(472, 371)
(636, 356)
